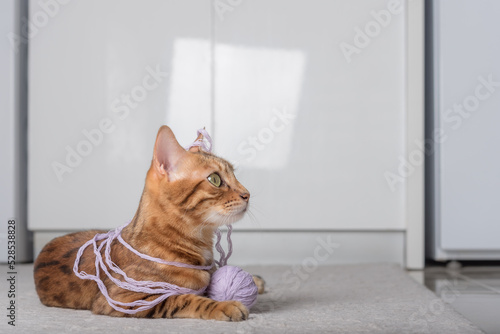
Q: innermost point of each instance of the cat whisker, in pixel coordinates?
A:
(256, 208)
(253, 218)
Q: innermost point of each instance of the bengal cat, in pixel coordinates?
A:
(187, 195)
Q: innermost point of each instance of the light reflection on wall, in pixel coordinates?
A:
(255, 94)
(189, 91)
(255, 90)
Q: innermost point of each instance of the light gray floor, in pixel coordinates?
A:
(473, 291)
(331, 299)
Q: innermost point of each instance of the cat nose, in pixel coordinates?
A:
(245, 196)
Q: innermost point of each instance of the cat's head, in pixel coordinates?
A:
(195, 182)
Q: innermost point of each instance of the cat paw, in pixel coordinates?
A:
(259, 281)
(229, 311)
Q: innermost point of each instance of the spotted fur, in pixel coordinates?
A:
(177, 215)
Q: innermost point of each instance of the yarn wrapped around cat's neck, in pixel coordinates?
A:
(181, 205)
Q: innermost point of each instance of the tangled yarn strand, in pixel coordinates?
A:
(223, 257)
(205, 145)
(163, 289)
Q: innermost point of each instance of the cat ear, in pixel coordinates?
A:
(195, 149)
(167, 152)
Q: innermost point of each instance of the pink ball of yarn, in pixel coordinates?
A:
(233, 283)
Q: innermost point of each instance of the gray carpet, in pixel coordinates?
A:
(331, 299)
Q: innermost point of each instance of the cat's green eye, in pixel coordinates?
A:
(215, 179)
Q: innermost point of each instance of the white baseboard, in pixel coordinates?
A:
(299, 247)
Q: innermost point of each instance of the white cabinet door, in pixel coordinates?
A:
(467, 104)
(104, 75)
(308, 98)
(310, 103)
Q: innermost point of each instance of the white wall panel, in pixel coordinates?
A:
(93, 63)
(307, 98)
(322, 167)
